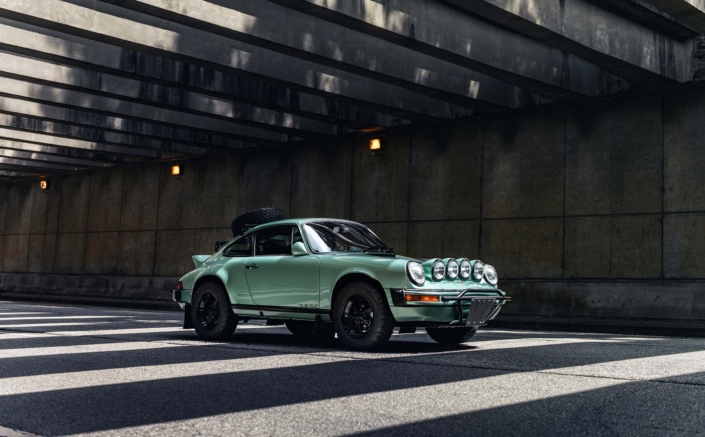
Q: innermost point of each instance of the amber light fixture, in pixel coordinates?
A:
(176, 170)
(44, 185)
(421, 298)
(377, 146)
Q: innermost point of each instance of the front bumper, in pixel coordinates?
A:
(469, 307)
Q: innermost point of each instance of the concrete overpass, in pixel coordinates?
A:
(560, 140)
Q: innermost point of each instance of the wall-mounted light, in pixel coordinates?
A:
(176, 170)
(376, 146)
(44, 185)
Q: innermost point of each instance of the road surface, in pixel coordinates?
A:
(97, 371)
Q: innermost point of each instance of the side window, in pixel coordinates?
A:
(296, 236)
(274, 241)
(241, 247)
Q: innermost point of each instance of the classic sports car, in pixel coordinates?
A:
(323, 277)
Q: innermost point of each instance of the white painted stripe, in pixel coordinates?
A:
(104, 332)
(122, 346)
(49, 325)
(4, 319)
(12, 313)
(7, 432)
(96, 378)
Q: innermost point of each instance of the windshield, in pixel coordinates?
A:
(332, 236)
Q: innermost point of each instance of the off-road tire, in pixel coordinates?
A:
(227, 320)
(451, 336)
(382, 324)
(256, 217)
(311, 331)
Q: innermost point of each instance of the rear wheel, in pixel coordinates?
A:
(362, 319)
(317, 331)
(211, 314)
(451, 336)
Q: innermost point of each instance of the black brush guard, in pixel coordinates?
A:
(482, 308)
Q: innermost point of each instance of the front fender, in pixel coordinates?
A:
(389, 272)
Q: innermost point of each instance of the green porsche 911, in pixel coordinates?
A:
(323, 277)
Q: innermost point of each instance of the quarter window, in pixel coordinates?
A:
(240, 247)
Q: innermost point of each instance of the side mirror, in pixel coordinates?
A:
(298, 249)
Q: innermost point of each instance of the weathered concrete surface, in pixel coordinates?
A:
(30, 110)
(524, 166)
(691, 12)
(614, 158)
(609, 40)
(379, 187)
(119, 26)
(684, 248)
(159, 96)
(293, 33)
(136, 253)
(439, 30)
(154, 70)
(446, 167)
(320, 180)
(684, 155)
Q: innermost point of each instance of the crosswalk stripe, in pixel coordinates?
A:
(95, 378)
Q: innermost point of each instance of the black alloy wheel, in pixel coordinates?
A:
(207, 312)
(211, 312)
(361, 315)
(357, 317)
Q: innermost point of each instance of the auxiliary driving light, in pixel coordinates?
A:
(421, 298)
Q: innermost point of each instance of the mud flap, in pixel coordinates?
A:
(188, 323)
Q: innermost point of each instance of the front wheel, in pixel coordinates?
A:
(362, 319)
(211, 314)
(451, 336)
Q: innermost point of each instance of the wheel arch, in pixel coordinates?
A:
(205, 279)
(355, 277)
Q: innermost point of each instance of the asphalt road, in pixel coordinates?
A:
(95, 371)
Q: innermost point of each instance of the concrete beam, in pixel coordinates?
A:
(441, 30)
(118, 26)
(4, 174)
(66, 49)
(634, 52)
(293, 33)
(69, 144)
(159, 96)
(136, 111)
(120, 125)
(691, 12)
(40, 159)
(61, 152)
(63, 135)
(34, 166)
(650, 16)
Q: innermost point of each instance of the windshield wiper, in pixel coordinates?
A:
(380, 249)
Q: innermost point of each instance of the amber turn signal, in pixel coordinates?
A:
(421, 298)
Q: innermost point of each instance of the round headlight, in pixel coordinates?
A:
(416, 273)
(452, 269)
(491, 275)
(478, 270)
(465, 269)
(439, 270)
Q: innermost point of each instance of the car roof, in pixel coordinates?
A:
(298, 221)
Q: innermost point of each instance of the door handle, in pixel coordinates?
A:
(251, 266)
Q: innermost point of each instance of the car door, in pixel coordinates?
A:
(275, 277)
(234, 258)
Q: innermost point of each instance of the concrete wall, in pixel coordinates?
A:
(609, 196)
